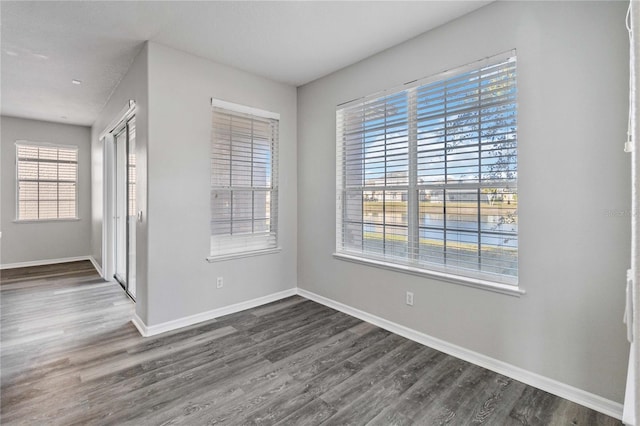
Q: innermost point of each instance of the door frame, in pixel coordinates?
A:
(107, 138)
(119, 132)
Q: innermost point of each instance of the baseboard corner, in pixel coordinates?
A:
(95, 264)
(140, 325)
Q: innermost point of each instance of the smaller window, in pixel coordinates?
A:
(47, 181)
(244, 181)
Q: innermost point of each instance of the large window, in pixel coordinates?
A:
(426, 175)
(244, 181)
(47, 180)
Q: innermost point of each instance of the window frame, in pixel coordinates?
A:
(411, 263)
(38, 145)
(246, 112)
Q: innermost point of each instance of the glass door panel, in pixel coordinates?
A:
(120, 208)
(131, 208)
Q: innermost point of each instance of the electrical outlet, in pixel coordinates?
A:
(219, 283)
(409, 298)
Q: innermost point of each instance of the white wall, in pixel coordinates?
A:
(39, 241)
(181, 282)
(572, 100)
(134, 86)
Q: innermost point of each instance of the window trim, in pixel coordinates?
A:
(243, 109)
(23, 142)
(242, 254)
(479, 279)
(508, 289)
(261, 114)
(70, 219)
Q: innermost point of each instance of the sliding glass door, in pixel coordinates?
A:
(125, 206)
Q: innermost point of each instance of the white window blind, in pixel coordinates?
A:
(244, 181)
(427, 175)
(47, 178)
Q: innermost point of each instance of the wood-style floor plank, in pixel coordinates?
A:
(69, 355)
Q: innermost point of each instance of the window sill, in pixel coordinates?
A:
(507, 289)
(72, 219)
(242, 254)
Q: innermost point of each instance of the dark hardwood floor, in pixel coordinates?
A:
(69, 355)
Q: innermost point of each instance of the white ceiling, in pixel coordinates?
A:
(47, 44)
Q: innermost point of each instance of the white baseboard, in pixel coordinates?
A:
(140, 325)
(43, 262)
(590, 400)
(152, 330)
(587, 399)
(95, 264)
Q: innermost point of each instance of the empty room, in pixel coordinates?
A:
(319, 212)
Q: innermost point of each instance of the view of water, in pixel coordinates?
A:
(460, 228)
(498, 241)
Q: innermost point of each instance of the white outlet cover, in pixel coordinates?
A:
(409, 298)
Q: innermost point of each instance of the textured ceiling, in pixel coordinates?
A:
(47, 44)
